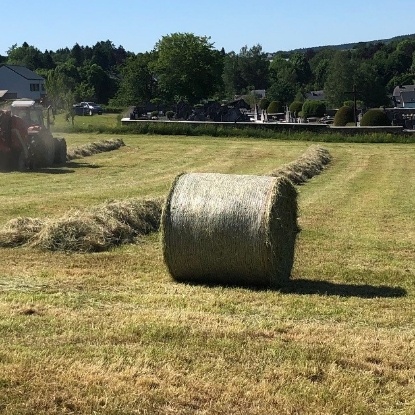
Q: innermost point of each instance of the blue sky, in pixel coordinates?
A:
(137, 25)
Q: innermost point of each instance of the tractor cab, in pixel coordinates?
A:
(41, 149)
(30, 112)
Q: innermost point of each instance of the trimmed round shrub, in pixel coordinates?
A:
(313, 109)
(274, 107)
(169, 114)
(375, 117)
(296, 106)
(264, 103)
(343, 116)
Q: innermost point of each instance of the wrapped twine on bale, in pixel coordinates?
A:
(230, 229)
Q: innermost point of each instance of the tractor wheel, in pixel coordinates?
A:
(43, 151)
(60, 151)
(4, 162)
(22, 162)
(49, 151)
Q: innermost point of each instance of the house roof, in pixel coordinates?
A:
(402, 88)
(24, 72)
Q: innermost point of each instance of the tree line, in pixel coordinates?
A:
(183, 66)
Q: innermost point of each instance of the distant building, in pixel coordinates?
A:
(404, 96)
(315, 95)
(259, 93)
(20, 82)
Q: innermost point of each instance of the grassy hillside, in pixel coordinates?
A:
(111, 333)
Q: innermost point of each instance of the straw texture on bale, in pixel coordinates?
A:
(230, 229)
(94, 148)
(95, 229)
(308, 165)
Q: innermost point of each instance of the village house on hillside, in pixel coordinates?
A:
(315, 95)
(20, 82)
(403, 96)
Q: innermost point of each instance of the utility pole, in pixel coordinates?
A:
(354, 92)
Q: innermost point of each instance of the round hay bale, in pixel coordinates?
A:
(230, 229)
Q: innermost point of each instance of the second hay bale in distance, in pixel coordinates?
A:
(230, 229)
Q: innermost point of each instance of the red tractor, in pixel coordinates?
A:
(25, 141)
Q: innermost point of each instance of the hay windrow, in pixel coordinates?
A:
(20, 230)
(96, 229)
(230, 229)
(94, 148)
(311, 163)
(101, 227)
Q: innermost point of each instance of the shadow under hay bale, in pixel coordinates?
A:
(94, 148)
(230, 229)
(308, 165)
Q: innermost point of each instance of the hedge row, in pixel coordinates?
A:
(280, 132)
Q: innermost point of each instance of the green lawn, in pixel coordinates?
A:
(112, 333)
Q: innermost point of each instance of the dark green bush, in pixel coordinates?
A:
(274, 107)
(375, 117)
(314, 108)
(113, 110)
(154, 113)
(169, 114)
(343, 116)
(296, 107)
(264, 103)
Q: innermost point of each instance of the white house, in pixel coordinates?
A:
(19, 82)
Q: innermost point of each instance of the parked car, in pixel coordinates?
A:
(80, 109)
(91, 106)
(87, 108)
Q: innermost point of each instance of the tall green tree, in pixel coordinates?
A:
(301, 67)
(58, 89)
(25, 55)
(77, 53)
(253, 66)
(138, 84)
(95, 78)
(340, 79)
(283, 80)
(369, 85)
(187, 67)
(232, 78)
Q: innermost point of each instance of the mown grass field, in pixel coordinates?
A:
(111, 333)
